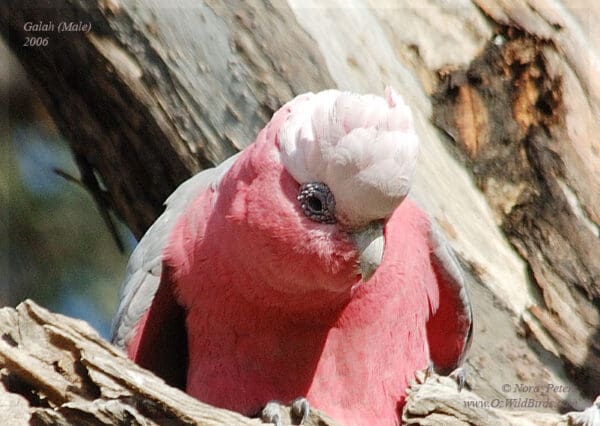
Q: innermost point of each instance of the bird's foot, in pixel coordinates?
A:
(429, 371)
(271, 413)
(299, 412)
(421, 376)
(459, 375)
(300, 409)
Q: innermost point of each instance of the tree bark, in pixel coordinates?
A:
(506, 96)
(57, 370)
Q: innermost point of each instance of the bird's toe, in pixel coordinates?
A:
(459, 375)
(271, 413)
(300, 409)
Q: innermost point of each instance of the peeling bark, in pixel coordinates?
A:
(57, 370)
(436, 401)
(507, 115)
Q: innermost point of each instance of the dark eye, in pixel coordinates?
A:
(317, 202)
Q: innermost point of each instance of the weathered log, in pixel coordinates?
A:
(437, 401)
(505, 95)
(57, 370)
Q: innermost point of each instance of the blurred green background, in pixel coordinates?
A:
(54, 246)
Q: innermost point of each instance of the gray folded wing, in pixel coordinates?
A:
(145, 264)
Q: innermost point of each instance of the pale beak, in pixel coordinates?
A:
(369, 242)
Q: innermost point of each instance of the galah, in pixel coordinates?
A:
(299, 268)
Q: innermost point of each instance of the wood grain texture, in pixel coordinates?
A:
(537, 149)
(153, 94)
(436, 401)
(57, 370)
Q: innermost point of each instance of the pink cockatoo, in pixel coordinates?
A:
(298, 268)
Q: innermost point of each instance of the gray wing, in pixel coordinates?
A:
(144, 268)
(451, 328)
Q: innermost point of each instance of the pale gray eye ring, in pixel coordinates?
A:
(317, 202)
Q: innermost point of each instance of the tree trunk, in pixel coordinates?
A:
(506, 96)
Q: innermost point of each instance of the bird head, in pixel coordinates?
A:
(354, 158)
(307, 203)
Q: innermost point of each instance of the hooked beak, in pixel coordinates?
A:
(369, 242)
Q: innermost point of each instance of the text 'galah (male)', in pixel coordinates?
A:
(298, 268)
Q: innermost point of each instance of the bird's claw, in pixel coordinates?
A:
(459, 375)
(300, 410)
(271, 413)
(421, 376)
(429, 371)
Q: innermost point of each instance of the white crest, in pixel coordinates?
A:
(363, 147)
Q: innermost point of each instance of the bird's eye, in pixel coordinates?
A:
(317, 202)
